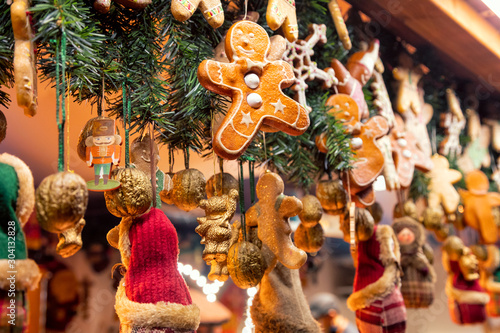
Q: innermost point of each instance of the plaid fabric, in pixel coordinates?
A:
(417, 288)
(493, 307)
(462, 313)
(383, 316)
(21, 319)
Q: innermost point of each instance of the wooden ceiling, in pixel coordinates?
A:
(464, 32)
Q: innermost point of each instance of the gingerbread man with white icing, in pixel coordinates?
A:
(255, 85)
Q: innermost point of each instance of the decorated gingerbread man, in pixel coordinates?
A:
(442, 191)
(211, 9)
(355, 75)
(281, 13)
(369, 160)
(255, 85)
(407, 155)
(476, 153)
(478, 204)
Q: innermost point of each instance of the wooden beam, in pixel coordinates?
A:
(451, 26)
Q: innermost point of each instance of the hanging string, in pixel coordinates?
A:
(67, 137)
(60, 95)
(242, 200)
(170, 160)
(221, 170)
(251, 171)
(152, 158)
(186, 158)
(101, 105)
(126, 120)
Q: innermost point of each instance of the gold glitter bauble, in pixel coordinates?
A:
(376, 212)
(61, 201)
(365, 225)
(189, 189)
(433, 217)
(70, 241)
(409, 209)
(309, 239)
(480, 251)
(332, 196)
(217, 188)
(311, 212)
(133, 197)
(454, 247)
(166, 194)
(245, 264)
(81, 147)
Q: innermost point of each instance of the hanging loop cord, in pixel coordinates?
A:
(152, 155)
(251, 172)
(126, 119)
(100, 107)
(60, 94)
(242, 200)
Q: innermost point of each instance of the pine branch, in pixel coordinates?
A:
(6, 54)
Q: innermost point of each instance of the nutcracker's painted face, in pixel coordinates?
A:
(105, 140)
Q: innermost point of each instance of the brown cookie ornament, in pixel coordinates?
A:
(453, 122)
(255, 85)
(441, 189)
(211, 9)
(478, 204)
(282, 13)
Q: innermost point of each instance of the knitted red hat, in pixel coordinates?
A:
(153, 294)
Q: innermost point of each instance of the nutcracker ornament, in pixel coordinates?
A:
(419, 278)
(103, 150)
(466, 298)
(489, 269)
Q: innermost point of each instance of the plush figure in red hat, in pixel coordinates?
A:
(153, 296)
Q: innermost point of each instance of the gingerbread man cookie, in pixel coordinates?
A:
(408, 75)
(211, 9)
(255, 85)
(24, 58)
(441, 190)
(298, 54)
(271, 214)
(281, 13)
(355, 75)
(454, 123)
(369, 160)
(476, 153)
(339, 22)
(478, 204)
(407, 155)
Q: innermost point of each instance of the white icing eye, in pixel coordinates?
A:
(254, 100)
(402, 142)
(356, 143)
(252, 80)
(251, 35)
(346, 105)
(406, 153)
(239, 32)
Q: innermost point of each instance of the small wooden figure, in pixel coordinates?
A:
(103, 149)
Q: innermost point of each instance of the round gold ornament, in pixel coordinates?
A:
(409, 209)
(216, 187)
(188, 189)
(133, 197)
(245, 264)
(433, 217)
(332, 196)
(454, 247)
(61, 201)
(309, 239)
(311, 212)
(376, 212)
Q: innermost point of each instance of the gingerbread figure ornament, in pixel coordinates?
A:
(478, 204)
(454, 123)
(255, 85)
(281, 13)
(441, 189)
(369, 159)
(211, 9)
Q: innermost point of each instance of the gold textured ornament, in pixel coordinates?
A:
(245, 264)
(376, 212)
(215, 232)
(409, 209)
(61, 201)
(188, 189)
(133, 197)
(217, 186)
(332, 196)
(309, 239)
(311, 212)
(70, 241)
(364, 226)
(454, 247)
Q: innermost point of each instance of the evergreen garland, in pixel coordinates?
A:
(6, 54)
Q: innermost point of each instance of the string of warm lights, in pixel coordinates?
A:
(249, 327)
(209, 289)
